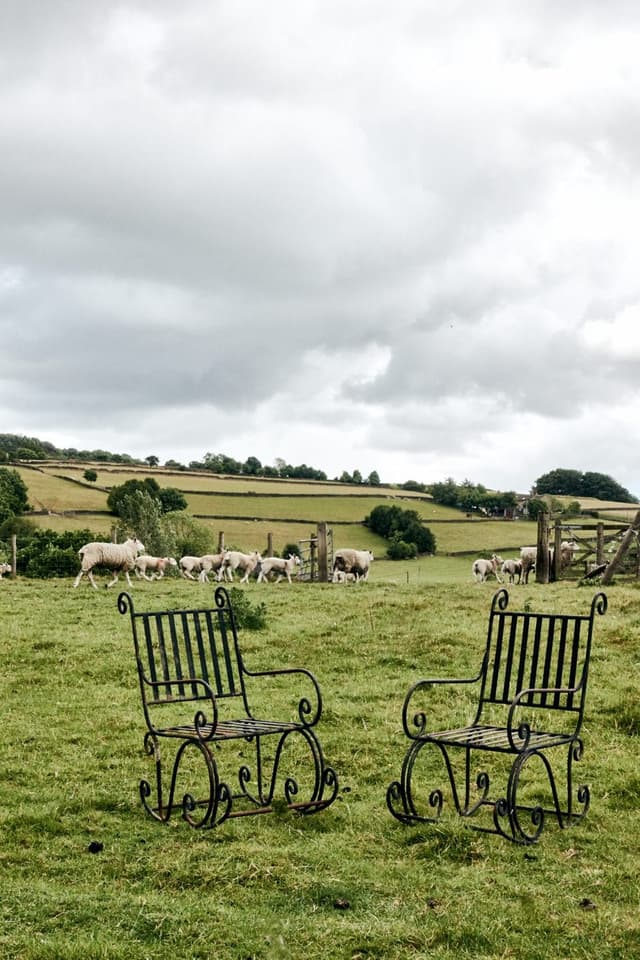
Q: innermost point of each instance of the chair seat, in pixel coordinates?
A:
(496, 738)
(230, 729)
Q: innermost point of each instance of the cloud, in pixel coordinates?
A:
(396, 237)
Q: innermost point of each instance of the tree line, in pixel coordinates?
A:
(15, 447)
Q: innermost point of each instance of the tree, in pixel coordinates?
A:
(118, 494)
(141, 513)
(168, 498)
(535, 507)
(152, 460)
(252, 467)
(171, 499)
(561, 482)
(90, 476)
(373, 480)
(13, 494)
(401, 527)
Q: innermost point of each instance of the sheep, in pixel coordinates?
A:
(512, 569)
(357, 562)
(119, 557)
(4, 568)
(529, 555)
(235, 560)
(187, 566)
(284, 568)
(339, 576)
(482, 569)
(157, 566)
(568, 550)
(211, 563)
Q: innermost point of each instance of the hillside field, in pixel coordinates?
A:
(247, 511)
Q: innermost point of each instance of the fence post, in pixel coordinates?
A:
(542, 548)
(14, 555)
(269, 552)
(313, 544)
(554, 574)
(600, 543)
(323, 569)
(220, 541)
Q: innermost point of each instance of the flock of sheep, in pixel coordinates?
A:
(130, 556)
(518, 570)
(348, 566)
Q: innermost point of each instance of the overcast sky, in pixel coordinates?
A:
(401, 237)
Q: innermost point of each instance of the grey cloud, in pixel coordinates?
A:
(197, 200)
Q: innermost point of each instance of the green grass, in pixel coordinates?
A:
(347, 884)
(247, 520)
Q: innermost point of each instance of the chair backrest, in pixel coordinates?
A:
(537, 651)
(174, 647)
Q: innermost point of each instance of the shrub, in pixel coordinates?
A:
(291, 548)
(401, 550)
(247, 615)
(393, 523)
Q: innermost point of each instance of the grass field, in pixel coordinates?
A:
(287, 510)
(348, 884)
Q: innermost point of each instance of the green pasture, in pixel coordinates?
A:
(335, 509)
(347, 884)
(111, 476)
(48, 492)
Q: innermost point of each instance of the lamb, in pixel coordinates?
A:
(568, 550)
(235, 560)
(4, 568)
(357, 562)
(512, 569)
(482, 568)
(119, 557)
(211, 563)
(340, 576)
(528, 557)
(284, 568)
(188, 566)
(157, 566)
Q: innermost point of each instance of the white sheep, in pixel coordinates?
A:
(339, 576)
(236, 560)
(188, 566)
(357, 562)
(156, 565)
(119, 557)
(482, 568)
(211, 563)
(284, 568)
(4, 568)
(512, 569)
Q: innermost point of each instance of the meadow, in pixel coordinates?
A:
(348, 883)
(249, 511)
(87, 874)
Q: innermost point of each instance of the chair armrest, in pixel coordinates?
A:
(200, 719)
(520, 734)
(309, 708)
(415, 727)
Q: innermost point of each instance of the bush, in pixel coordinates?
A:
(247, 616)
(46, 554)
(393, 523)
(401, 550)
(291, 548)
